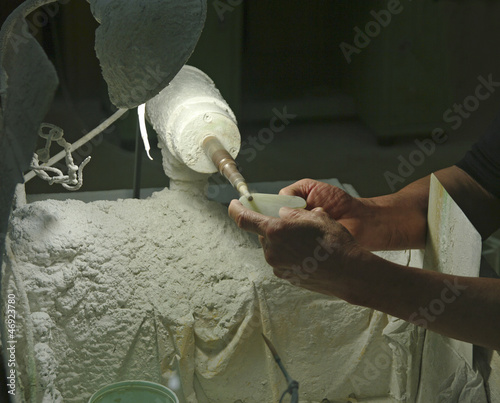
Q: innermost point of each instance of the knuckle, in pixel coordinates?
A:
(312, 183)
(271, 259)
(241, 219)
(276, 231)
(273, 231)
(320, 212)
(294, 213)
(279, 273)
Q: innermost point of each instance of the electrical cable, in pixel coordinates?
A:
(137, 163)
(283, 395)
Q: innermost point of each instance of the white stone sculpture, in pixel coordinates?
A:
(149, 289)
(141, 45)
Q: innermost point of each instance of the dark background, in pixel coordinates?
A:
(353, 119)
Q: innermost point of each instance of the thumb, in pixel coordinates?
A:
(318, 210)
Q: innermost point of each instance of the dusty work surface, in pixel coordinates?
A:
(147, 289)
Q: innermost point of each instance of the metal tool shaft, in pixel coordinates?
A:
(226, 165)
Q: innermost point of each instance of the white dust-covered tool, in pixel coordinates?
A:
(197, 126)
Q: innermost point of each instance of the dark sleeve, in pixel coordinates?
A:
(482, 161)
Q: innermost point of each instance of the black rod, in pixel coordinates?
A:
(138, 162)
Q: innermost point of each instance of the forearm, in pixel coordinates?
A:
(397, 221)
(459, 307)
(463, 308)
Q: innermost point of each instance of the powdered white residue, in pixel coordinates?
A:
(146, 289)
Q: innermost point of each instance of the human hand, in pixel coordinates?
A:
(390, 222)
(307, 248)
(346, 210)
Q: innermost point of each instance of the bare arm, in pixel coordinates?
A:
(396, 221)
(468, 304)
(345, 228)
(459, 307)
(464, 308)
(406, 210)
(399, 220)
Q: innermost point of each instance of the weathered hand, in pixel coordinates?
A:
(332, 199)
(347, 210)
(307, 248)
(314, 250)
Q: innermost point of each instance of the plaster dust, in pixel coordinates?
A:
(142, 44)
(146, 289)
(184, 113)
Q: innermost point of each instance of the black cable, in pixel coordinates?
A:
(138, 162)
(283, 395)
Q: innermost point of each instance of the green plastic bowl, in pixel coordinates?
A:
(134, 392)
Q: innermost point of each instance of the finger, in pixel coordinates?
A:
(291, 191)
(248, 220)
(278, 272)
(318, 210)
(262, 241)
(300, 188)
(293, 213)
